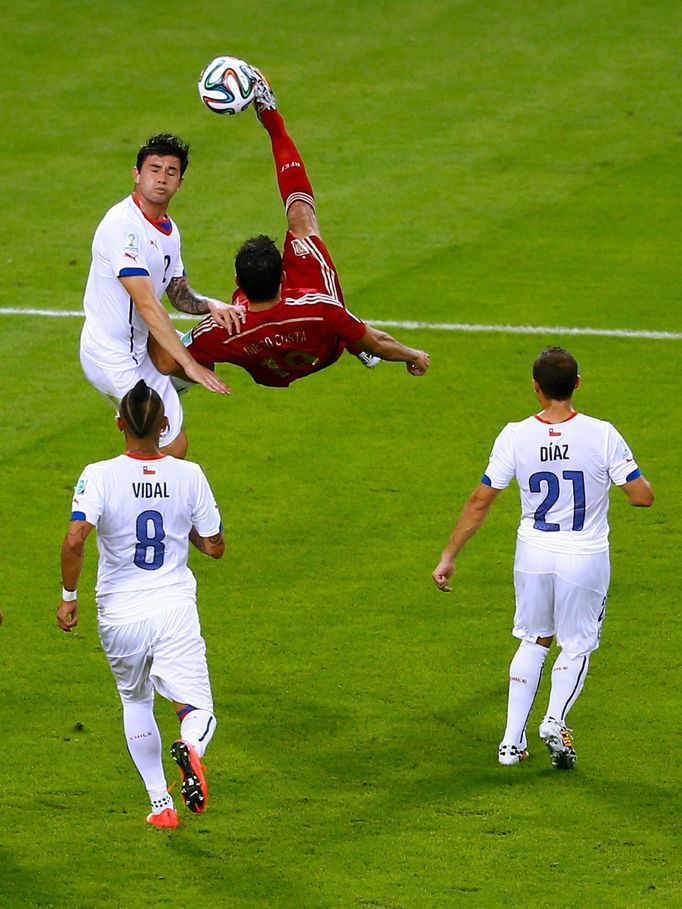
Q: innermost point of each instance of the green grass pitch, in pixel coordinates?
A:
(474, 162)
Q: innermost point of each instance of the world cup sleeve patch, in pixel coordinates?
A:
(80, 487)
(131, 244)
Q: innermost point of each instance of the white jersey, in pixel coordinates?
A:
(143, 510)
(126, 243)
(564, 472)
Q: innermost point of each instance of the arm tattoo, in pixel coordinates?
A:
(185, 299)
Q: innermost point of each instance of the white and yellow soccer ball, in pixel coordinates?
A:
(226, 85)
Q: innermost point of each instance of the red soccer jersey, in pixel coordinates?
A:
(305, 332)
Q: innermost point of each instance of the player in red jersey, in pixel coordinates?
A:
(296, 320)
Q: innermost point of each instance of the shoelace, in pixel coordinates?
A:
(566, 737)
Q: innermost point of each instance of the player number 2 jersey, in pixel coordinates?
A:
(564, 472)
(126, 244)
(143, 511)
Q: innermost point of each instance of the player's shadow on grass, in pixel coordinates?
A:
(26, 885)
(383, 756)
(656, 806)
(230, 866)
(446, 762)
(446, 753)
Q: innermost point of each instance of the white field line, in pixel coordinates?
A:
(433, 326)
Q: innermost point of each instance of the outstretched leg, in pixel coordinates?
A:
(307, 263)
(292, 178)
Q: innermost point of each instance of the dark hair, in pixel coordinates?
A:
(142, 411)
(258, 265)
(556, 372)
(165, 145)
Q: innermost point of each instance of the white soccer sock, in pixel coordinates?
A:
(525, 672)
(161, 799)
(568, 678)
(197, 728)
(144, 744)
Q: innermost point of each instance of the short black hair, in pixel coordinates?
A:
(258, 265)
(165, 145)
(556, 372)
(142, 410)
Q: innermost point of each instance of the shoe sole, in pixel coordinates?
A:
(194, 787)
(562, 757)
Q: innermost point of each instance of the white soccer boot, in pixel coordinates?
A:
(512, 754)
(263, 96)
(368, 360)
(559, 743)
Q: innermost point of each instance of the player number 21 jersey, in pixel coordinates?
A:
(564, 472)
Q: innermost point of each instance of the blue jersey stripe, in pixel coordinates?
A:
(633, 475)
(485, 479)
(132, 272)
(78, 516)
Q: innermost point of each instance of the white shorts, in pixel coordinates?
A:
(165, 653)
(116, 382)
(560, 595)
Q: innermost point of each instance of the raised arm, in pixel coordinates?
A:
(160, 326)
(386, 347)
(470, 520)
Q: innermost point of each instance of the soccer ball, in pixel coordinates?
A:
(226, 85)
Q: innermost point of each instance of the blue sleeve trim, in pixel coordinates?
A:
(133, 272)
(633, 475)
(485, 479)
(78, 516)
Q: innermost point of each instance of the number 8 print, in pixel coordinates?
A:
(147, 542)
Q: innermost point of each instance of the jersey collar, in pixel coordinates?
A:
(163, 223)
(547, 422)
(139, 457)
